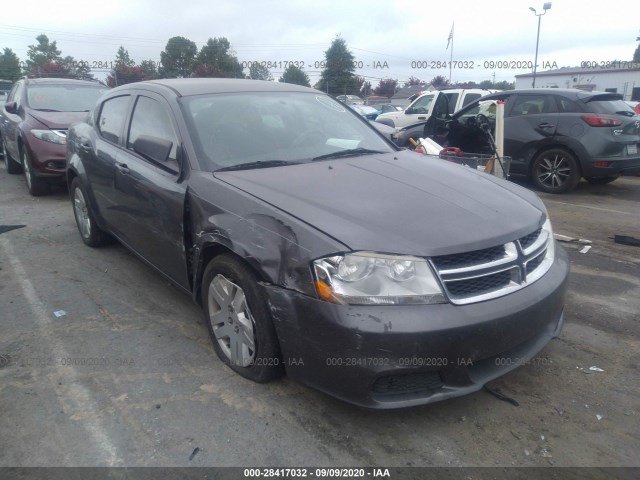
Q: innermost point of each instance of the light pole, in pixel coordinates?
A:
(545, 7)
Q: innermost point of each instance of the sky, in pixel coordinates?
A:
(389, 39)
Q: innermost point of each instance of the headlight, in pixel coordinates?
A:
(53, 136)
(365, 278)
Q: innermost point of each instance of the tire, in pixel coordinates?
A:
(89, 231)
(36, 186)
(12, 166)
(555, 171)
(239, 320)
(601, 180)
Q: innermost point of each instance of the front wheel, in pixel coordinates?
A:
(555, 171)
(239, 320)
(36, 186)
(601, 180)
(90, 233)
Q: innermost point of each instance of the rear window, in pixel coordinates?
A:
(610, 106)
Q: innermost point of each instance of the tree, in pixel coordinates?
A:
(338, 75)
(122, 58)
(123, 74)
(149, 67)
(216, 59)
(257, 71)
(413, 81)
(42, 53)
(439, 82)
(80, 70)
(386, 87)
(52, 69)
(9, 65)
(178, 58)
(295, 75)
(636, 54)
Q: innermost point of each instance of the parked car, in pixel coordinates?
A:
(316, 246)
(635, 106)
(424, 106)
(555, 136)
(370, 113)
(388, 107)
(350, 99)
(34, 122)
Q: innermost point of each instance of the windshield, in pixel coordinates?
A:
(423, 103)
(64, 98)
(287, 127)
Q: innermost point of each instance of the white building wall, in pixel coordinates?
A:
(623, 81)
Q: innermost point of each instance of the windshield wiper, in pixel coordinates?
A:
(258, 164)
(626, 113)
(46, 110)
(351, 152)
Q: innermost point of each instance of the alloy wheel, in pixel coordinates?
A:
(553, 171)
(82, 213)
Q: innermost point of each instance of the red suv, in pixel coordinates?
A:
(34, 123)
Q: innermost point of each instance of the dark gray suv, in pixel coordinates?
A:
(556, 136)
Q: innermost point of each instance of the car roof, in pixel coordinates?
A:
(183, 87)
(63, 81)
(570, 92)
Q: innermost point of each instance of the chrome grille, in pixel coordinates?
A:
(496, 271)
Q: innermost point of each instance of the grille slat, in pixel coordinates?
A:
(528, 240)
(408, 384)
(479, 285)
(466, 259)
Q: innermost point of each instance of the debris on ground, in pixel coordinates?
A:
(599, 417)
(564, 238)
(499, 395)
(59, 313)
(626, 240)
(585, 249)
(194, 453)
(596, 369)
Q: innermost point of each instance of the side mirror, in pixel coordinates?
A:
(409, 111)
(11, 107)
(153, 148)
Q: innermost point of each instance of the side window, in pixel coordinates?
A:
(151, 118)
(112, 118)
(531, 105)
(470, 98)
(567, 106)
(453, 99)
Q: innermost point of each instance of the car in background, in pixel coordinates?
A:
(388, 107)
(555, 136)
(34, 122)
(269, 203)
(425, 105)
(368, 112)
(635, 106)
(350, 99)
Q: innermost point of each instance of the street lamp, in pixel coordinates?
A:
(545, 7)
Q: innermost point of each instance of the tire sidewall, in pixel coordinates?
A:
(267, 363)
(96, 237)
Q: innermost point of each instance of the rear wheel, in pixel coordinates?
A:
(555, 171)
(13, 167)
(37, 186)
(601, 180)
(239, 320)
(90, 233)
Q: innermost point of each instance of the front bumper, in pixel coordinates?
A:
(401, 356)
(47, 159)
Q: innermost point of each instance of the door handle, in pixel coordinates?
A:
(122, 168)
(422, 118)
(545, 125)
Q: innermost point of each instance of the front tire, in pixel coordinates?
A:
(12, 166)
(555, 171)
(36, 186)
(239, 320)
(90, 233)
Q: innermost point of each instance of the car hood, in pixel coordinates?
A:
(397, 203)
(58, 120)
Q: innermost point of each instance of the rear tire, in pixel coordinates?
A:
(555, 171)
(239, 320)
(90, 233)
(601, 180)
(36, 186)
(12, 166)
